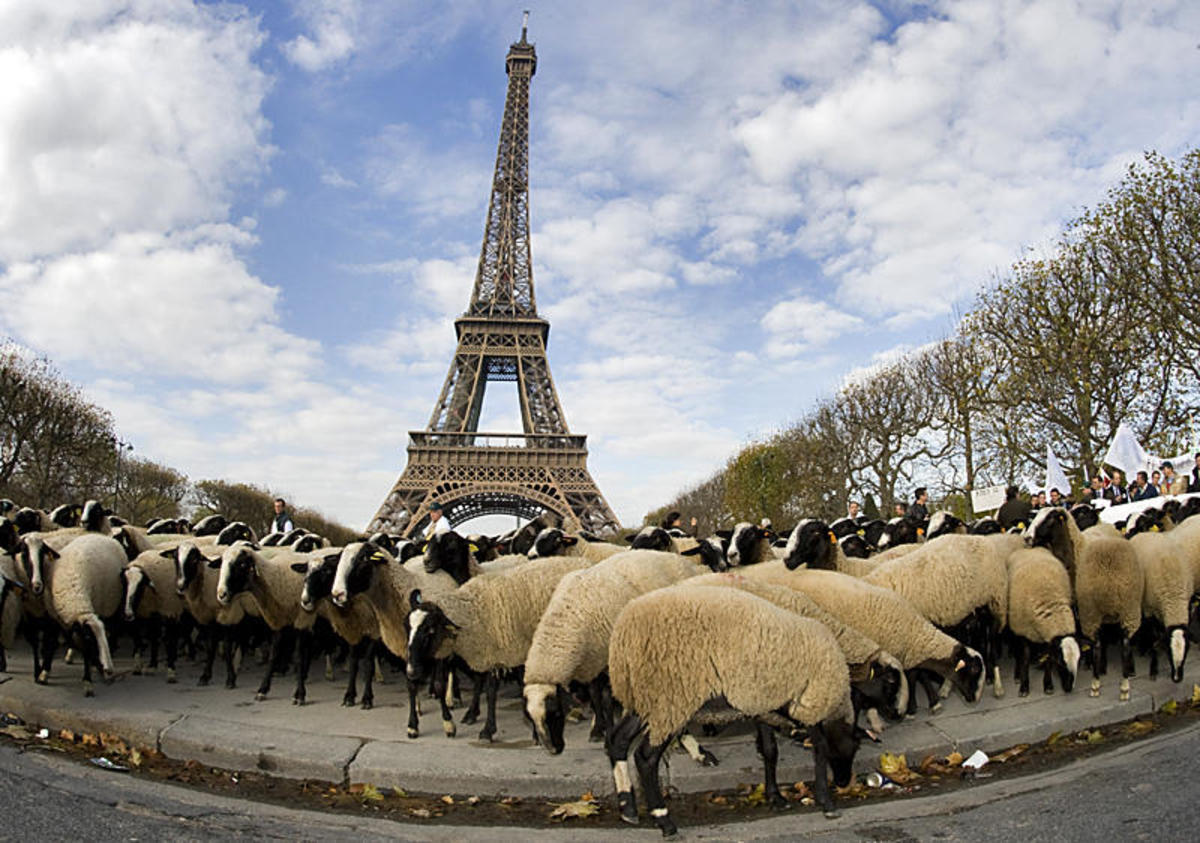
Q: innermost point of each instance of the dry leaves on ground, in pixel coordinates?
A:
(585, 807)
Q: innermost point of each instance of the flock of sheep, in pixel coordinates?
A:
(816, 625)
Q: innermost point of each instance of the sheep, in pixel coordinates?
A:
(774, 666)
(887, 618)
(151, 595)
(196, 582)
(749, 544)
(1039, 611)
(82, 585)
(29, 520)
(489, 622)
(950, 578)
(272, 583)
(985, 526)
(570, 643)
(8, 536)
(210, 525)
(1167, 596)
(1085, 515)
(370, 572)
(66, 515)
(943, 523)
(812, 544)
(552, 541)
(1107, 580)
(900, 531)
(10, 605)
(877, 680)
(657, 538)
(355, 622)
(854, 546)
(40, 630)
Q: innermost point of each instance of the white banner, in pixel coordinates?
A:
(987, 499)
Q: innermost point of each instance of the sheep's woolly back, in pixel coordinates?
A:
(200, 597)
(571, 639)
(163, 600)
(664, 667)
(85, 579)
(595, 551)
(1187, 537)
(858, 648)
(949, 577)
(1167, 576)
(896, 552)
(1103, 528)
(11, 611)
(879, 613)
(1039, 596)
(497, 614)
(1109, 585)
(275, 588)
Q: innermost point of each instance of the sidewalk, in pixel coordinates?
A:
(322, 740)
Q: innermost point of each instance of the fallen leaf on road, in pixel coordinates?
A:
(1010, 753)
(399, 791)
(569, 810)
(1053, 739)
(473, 800)
(954, 759)
(511, 800)
(448, 799)
(756, 796)
(1139, 727)
(1169, 707)
(371, 793)
(1196, 695)
(18, 732)
(423, 813)
(1095, 736)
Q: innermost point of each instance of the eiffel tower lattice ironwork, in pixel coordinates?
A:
(500, 338)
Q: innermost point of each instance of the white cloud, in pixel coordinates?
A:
(800, 324)
(334, 24)
(115, 119)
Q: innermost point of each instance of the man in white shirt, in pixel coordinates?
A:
(437, 523)
(282, 522)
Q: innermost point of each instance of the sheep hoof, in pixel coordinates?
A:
(449, 728)
(1024, 692)
(368, 704)
(260, 696)
(348, 700)
(627, 807)
(171, 678)
(707, 759)
(1095, 689)
(486, 734)
(833, 815)
(1048, 691)
(88, 690)
(298, 700)
(231, 683)
(667, 826)
(329, 675)
(204, 680)
(470, 719)
(43, 678)
(412, 733)
(998, 691)
(936, 707)
(778, 803)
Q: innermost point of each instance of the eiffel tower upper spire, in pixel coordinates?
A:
(500, 338)
(504, 278)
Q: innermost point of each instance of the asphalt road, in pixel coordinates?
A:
(1144, 790)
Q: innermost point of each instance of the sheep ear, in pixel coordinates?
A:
(51, 552)
(167, 554)
(961, 664)
(631, 538)
(725, 534)
(299, 567)
(691, 551)
(570, 540)
(332, 557)
(213, 563)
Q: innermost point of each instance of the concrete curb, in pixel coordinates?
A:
(324, 741)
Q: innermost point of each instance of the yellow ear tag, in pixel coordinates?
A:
(473, 548)
(1154, 529)
(862, 532)
(377, 557)
(920, 531)
(832, 538)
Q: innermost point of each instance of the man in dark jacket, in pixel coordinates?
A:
(1194, 484)
(918, 512)
(1014, 511)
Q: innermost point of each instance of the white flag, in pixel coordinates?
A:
(1056, 478)
(1126, 453)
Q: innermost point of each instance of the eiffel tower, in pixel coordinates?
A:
(500, 338)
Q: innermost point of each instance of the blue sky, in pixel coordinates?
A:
(247, 228)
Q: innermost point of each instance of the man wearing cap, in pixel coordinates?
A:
(437, 524)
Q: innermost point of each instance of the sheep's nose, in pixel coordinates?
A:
(339, 598)
(223, 596)
(305, 603)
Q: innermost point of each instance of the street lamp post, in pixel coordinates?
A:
(121, 446)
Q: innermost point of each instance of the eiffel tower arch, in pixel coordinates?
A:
(500, 338)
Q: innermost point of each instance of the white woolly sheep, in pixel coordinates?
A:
(948, 580)
(274, 586)
(887, 618)
(749, 544)
(552, 541)
(368, 573)
(1039, 612)
(152, 598)
(82, 587)
(1166, 598)
(489, 622)
(1108, 584)
(773, 666)
(570, 643)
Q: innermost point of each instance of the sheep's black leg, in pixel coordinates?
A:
(441, 674)
(49, 646)
(156, 631)
(351, 695)
(414, 714)
(1047, 676)
(600, 696)
(472, 713)
(1023, 667)
(768, 750)
(1154, 642)
(1127, 666)
(912, 695)
(368, 694)
(620, 737)
(1102, 646)
(647, 758)
(820, 748)
(171, 641)
(139, 645)
(210, 655)
(230, 670)
(305, 646)
(489, 726)
(273, 664)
